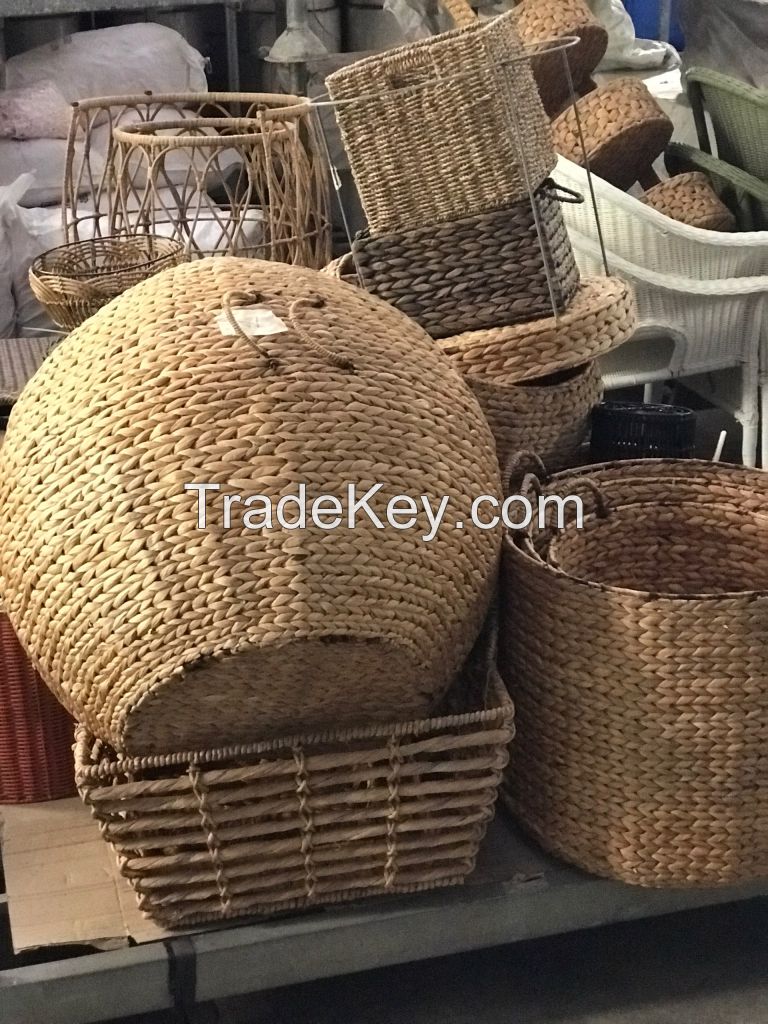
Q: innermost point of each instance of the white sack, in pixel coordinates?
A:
(625, 51)
(112, 61)
(45, 159)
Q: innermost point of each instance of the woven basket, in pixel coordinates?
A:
(549, 416)
(36, 733)
(600, 318)
(429, 127)
(483, 271)
(74, 281)
(306, 820)
(636, 647)
(691, 199)
(539, 23)
(181, 172)
(161, 636)
(623, 127)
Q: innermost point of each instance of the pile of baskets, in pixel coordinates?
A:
(270, 715)
(634, 648)
(450, 147)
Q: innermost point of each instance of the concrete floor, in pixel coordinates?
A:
(701, 967)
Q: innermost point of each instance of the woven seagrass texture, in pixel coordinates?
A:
(549, 416)
(691, 199)
(600, 318)
(233, 173)
(36, 733)
(74, 281)
(539, 23)
(483, 271)
(638, 672)
(162, 636)
(623, 127)
(430, 127)
(306, 820)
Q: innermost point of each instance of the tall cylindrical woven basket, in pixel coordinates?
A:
(443, 128)
(182, 633)
(634, 649)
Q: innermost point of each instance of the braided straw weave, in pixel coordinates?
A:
(549, 416)
(538, 23)
(74, 281)
(481, 271)
(161, 636)
(302, 821)
(624, 131)
(636, 651)
(691, 199)
(600, 318)
(429, 128)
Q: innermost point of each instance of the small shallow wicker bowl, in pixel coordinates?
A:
(74, 281)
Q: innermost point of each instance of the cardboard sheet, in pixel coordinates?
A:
(62, 881)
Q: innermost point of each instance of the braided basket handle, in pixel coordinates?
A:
(461, 12)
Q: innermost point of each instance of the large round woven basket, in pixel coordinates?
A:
(691, 199)
(623, 127)
(429, 127)
(635, 651)
(539, 23)
(73, 281)
(549, 416)
(161, 635)
(600, 318)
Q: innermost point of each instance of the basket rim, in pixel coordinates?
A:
(499, 708)
(174, 247)
(144, 132)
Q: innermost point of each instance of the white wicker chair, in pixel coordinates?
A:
(690, 328)
(647, 238)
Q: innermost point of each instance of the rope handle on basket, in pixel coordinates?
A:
(514, 469)
(315, 302)
(562, 193)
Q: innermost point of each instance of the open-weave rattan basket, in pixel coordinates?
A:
(549, 416)
(160, 635)
(74, 281)
(305, 820)
(429, 127)
(600, 318)
(635, 653)
(623, 127)
(265, 194)
(691, 199)
(539, 23)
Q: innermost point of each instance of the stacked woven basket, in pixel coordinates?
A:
(270, 715)
(450, 147)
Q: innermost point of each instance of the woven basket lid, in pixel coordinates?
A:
(601, 317)
(690, 199)
(162, 636)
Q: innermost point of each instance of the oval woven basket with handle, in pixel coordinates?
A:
(429, 128)
(161, 635)
(635, 653)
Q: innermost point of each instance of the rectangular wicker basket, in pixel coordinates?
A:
(303, 821)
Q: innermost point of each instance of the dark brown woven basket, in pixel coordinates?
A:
(489, 270)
